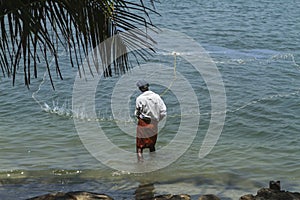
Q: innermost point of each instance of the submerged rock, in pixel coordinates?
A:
(78, 195)
(172, 197)
(81, 195)
(209, 197)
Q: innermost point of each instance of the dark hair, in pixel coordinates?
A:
(144, 88)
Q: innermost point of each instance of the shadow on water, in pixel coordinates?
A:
(144, 191)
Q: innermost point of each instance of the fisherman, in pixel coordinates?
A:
(150, 109)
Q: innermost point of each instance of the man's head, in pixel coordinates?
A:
(143, 85)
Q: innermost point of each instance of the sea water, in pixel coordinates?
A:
(255, 47)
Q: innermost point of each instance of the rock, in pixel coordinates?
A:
(247, 197)
(78, 195)
(270, 194)
(209, 197)
(172, 197)
(267, 193)
(274, 192)
(274, 185)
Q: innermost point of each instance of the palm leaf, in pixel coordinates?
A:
(33, 31)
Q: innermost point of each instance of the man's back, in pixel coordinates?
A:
(151, 105)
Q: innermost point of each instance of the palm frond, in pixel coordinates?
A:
(32, 31)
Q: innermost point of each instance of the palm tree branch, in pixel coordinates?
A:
(30, 28)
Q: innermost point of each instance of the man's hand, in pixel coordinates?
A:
(138, 114)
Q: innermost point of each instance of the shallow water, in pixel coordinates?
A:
(255, 46)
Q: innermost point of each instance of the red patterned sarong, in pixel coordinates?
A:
(146, 134)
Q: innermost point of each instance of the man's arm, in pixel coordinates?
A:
(163, 109)
(137, 111)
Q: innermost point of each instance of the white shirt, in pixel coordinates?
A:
(151, 105)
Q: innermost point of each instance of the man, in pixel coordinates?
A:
(149, 109)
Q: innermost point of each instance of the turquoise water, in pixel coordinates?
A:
(255, 46)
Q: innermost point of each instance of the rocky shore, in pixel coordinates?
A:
(274, 192)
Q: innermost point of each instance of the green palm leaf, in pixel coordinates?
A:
(33, 31)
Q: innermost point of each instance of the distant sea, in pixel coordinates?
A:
(254, 45)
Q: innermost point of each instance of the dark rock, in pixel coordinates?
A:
(209, 197)
(172, 197)
(271, 194)
(78, 195)
(247, 197)
(274, 185)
